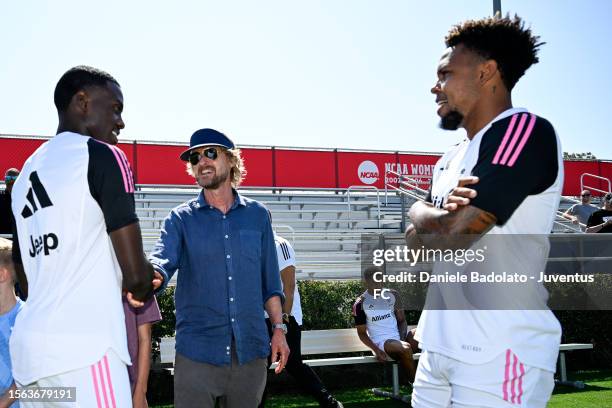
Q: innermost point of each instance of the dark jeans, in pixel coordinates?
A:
(303, 374)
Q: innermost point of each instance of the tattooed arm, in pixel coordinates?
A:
(458, 225)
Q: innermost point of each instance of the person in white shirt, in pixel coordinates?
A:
(381, 323)
(79, 243)
(501, 352)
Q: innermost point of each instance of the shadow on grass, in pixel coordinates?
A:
(564, 389)
(603, 376)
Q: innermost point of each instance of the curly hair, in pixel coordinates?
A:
(238, 170)
(504, 40)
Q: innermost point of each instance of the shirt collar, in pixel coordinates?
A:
(238, 200)
(503, 115)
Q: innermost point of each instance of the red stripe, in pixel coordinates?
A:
(520, 384)
(514, 375)
(95, 381)
(515, 138)
(507, 375)
(110, 382)
(523, 141)
(121, 166)
(505, 139)
(103, 385)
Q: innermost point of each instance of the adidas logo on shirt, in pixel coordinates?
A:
(36, 191)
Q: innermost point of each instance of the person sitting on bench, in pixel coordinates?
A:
(381, 324)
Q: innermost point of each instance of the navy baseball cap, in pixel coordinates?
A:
(207, 137)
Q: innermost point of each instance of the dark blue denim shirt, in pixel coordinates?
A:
(227, 271)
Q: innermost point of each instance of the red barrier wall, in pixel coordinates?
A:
(258, 163)
(573, 170)
(270, 167)
(362, 168)
(605, 170)
(159, 164)
(304, 168)
(14, 152)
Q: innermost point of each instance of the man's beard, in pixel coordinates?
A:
(216, 181)
(451, 121)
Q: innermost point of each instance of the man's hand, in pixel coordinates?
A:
(280, 350)
(461, 195)
(380, 355)
(575, 220)
(133, 302)
(158, 279)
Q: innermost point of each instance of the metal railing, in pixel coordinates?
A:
(353, 188)
(288, 227)
(404, 181)
(406, 186)
(567, 223)
(584, 186)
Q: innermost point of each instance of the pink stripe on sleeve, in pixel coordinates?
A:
(520, 384)
(110, 382)
(102, 383)
(126, 165)
(122, 167)
(507, 375)
(514, 375)
(505, 139)
(95, 381)
(523, 141)
(515, 138)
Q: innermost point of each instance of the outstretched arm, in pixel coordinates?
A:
(137, 271)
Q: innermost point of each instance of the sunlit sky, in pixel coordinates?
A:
(317, 73)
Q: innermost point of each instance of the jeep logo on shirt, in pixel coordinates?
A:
(46, 242)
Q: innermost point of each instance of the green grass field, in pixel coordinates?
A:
(596, 394)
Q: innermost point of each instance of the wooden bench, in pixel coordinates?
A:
(317, 342)
(346, 341)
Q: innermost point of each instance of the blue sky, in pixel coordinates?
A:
(317, 73)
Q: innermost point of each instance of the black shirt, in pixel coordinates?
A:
(6, 214)
(599, 217)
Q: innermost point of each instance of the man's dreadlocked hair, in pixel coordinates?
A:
(504, 40)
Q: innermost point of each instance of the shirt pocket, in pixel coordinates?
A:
(250, 245)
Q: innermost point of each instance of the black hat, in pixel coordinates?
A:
(207, 137)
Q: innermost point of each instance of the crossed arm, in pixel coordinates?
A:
(457, 225)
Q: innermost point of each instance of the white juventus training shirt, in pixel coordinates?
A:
(70, 194)
(517, 157)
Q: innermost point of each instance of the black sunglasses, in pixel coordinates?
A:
(211, 153)
(585, 195)
(10, 178)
